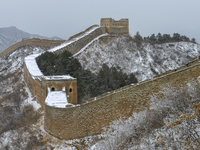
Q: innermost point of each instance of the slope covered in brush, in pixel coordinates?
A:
(144, 61)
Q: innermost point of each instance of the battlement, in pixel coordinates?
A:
(115, 27)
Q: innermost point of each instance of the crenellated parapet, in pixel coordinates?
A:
(115, 27)
(98, 113)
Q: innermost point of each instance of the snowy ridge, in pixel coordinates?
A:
(145, 61)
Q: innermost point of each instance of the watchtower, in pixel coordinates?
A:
(56, 83)
(115, 27)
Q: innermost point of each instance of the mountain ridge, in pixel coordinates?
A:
(11, 35)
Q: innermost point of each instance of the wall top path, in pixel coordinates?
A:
(82, 33)
(31, 42)
(72, 40)
(30, 60)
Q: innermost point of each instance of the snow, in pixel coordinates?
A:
(31, 59)
(32, 66)
(64, 77)
(89, 44)
(134, 61)
(35, 71)
(73, 40)
(57, 99)
(145, 61)
(30, 100)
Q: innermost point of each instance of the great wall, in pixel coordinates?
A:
(31, 42)
(96, 114)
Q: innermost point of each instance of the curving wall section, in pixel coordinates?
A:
(31, 42)
(79, 41)
(98, 113)
(37, 82)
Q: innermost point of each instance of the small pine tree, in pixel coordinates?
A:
(138, 36)
(159, 38)
(193, 40)
(153, 38)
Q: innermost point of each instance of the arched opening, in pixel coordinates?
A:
(70, 90)
(52, 89)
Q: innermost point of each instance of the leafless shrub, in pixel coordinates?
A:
(35, 143)
(176, 100)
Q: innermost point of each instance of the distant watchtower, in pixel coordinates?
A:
(115, 27)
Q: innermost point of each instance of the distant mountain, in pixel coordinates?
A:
(11, 35)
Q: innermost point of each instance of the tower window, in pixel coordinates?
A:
(70, 90)
(52, 89)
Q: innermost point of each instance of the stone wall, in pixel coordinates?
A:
(90, 118)
(83, 32)
(31, 42)
(39, 87)
(35, 86)
(115, 27)
(76, 46)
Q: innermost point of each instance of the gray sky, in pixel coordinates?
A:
(64, 18)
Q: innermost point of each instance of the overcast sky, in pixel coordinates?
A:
(64, 18)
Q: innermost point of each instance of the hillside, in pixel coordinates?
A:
(11, 35)
(145, 61)
(21, 126)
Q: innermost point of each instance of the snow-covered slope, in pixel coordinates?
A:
(145, 61)
(12, 64)
(122, 52)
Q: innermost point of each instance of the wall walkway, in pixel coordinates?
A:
(34, 77)
(31, 42)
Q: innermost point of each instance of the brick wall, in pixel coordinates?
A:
(92, 117)
(31, 42)
(79, 44)
(38, 87)
(115, 27)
